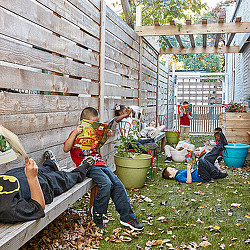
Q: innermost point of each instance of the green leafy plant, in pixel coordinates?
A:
(235, 107)
(125, 143)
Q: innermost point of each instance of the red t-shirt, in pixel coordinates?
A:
(78, 155)
(184, 120)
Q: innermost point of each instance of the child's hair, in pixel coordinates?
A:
(88, 112)
(185, 102)
(118, 109)
(166, 174)
(218, 129)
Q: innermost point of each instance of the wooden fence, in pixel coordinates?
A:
(59, 56)
(205, 119)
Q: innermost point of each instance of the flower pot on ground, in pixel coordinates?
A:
(131, 165)
(132, 171)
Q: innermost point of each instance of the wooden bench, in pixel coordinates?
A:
(16, 235)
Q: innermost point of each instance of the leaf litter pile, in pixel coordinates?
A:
(175, 215)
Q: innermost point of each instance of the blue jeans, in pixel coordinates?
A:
(109, 186)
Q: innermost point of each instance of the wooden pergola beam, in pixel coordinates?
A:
(168, 42)
(178, 38)
(201, 50)
(194, 29)
(232, 35)
(191, 37)
(204, 36)
(217, 39)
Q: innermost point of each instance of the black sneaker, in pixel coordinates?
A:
(223, 175)
(98, 220)
(49, 155)
(168, 159)
(133, 224)
(89, 160)
(223, 139)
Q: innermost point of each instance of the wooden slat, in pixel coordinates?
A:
(40, 121)
(149, 57)
(119, 91)
(31, 57)
(204, 40)
(148, 79)
(120, 57)
(45, 18)
(43, 38)
(17, 103)
(217, 39)
(120, 68)
(123, 25)
(195, 29)
(230, 39)
(110, 77)
(119, 33)
(20, 79)
(178, 38)
(148, 48)
(149, 72)
(191, 37)
(96, 3)
(121, 46)
(86, 7)
(168, 42)
(201, 50)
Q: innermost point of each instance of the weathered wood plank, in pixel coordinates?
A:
(40, 121)
(96, 3)
(149, 64)
(123, 25)
(120, 91)
(149, 72)
(43, 38)
(17, 103)
(19, 54)
(149, 79)
(121, 46)
(20, 79)
(119, 33)
(110, 77)
(121, 58)
(149, 57)
(120, 68)
(44, 17)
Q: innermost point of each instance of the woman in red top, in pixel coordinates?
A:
(185, 118)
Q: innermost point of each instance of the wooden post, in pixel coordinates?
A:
(157, 90)
(102, 59)
(140, 72)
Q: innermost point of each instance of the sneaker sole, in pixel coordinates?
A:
(131, 227)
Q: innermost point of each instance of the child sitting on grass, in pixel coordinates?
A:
(109, 186)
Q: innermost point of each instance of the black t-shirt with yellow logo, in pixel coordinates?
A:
(13, 207)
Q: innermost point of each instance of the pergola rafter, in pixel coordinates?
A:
(204, 29)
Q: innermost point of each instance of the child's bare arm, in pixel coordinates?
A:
(31, 171)
(189, 176)
(69, 143)
(120, 117)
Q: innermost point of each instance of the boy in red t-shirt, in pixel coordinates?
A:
(109, 186)
(185, 118)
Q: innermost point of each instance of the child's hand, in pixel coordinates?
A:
(130, 110)
(109, 133)
(79, 130)
(189, 166)
(31, 168)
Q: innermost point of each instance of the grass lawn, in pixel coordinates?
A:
(175, 215)
(178, 214)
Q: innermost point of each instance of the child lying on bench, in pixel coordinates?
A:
(24, 191)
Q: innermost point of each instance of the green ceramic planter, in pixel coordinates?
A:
(172, 136)
(132, 172)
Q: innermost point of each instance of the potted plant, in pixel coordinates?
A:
(131, 165)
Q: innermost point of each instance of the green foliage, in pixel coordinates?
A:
(166, 10)
(126, 142)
